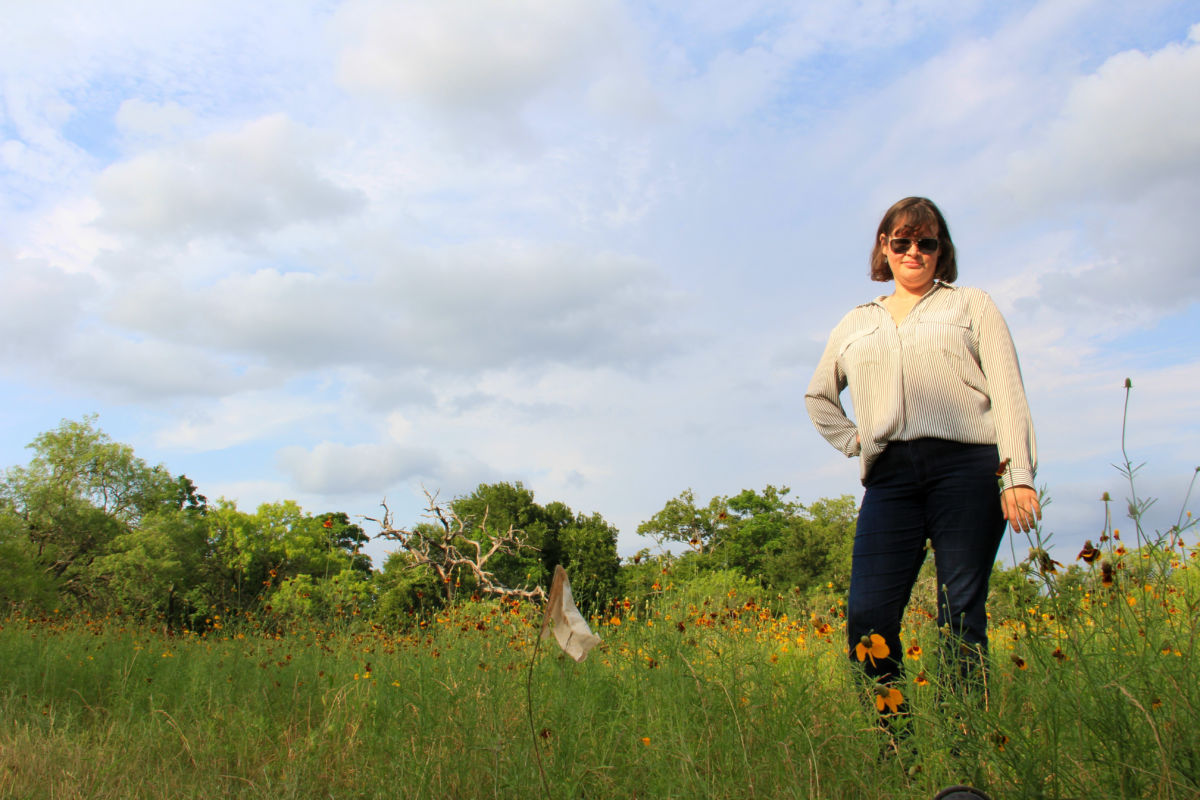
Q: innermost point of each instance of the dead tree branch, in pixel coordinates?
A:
(447, 549)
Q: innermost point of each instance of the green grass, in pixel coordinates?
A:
(1092, 691)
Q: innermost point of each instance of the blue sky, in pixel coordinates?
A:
(339, 252)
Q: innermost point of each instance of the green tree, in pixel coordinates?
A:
(345, 595)
(681, 521)
(79, 492)
(23, 582)
(758, 529)
(498, 539)
(813, 556)
(406, 589)
(253, 554)
(763, 536)
(157, 569)
(344, 535)
(491, 511)
(587, 548)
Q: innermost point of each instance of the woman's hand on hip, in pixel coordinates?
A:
(1021, 507)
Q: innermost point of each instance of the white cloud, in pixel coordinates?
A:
(477, 307)
(1131, 126)
(239, 418)
(142, 370)
(398, 427)
(140, 118)
(39, 307)
(257, 179)
(461, 55)
(331, 468)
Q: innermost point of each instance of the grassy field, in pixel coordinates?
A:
(1093, 691)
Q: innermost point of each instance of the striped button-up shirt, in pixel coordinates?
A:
(948, 370)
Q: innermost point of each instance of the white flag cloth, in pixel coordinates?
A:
(570, 628)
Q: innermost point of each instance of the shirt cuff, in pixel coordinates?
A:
(1016, 476)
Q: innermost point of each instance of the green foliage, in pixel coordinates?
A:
(406, 590)
(585, 545)
(588, 550)
(304, 597)
(723, 587)
(22, 581)
(644, 575)
(682, 522)
(79, 492)
(491, 510)
(779, 543)
(87, 525)
(155, 569)
(252, 555)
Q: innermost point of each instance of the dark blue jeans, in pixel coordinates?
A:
(945, 492)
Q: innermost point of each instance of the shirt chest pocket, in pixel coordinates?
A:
(862, 354)
(948, 332)
(947, 335)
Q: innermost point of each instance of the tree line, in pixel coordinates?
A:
(87, 526)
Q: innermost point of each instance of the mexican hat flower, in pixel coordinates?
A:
(871, 647)
(887, 697)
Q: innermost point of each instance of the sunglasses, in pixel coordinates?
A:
(900, 246)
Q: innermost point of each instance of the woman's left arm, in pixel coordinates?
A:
(1010, 410)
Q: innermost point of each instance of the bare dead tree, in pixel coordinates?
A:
(446, 548)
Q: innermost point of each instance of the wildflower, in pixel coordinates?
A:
(1000, 470)
(1020, 662)
(1120, 550)
(914, 651)
(999, 739)
(1046, 564)
(646, 741)
(922, 679)
(1089, 553)
(1106, 573)
(887, 697)
(615, 621)
(871, 647)
(1059, 654)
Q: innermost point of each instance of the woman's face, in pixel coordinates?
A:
(912, 269)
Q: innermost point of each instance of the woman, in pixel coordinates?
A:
(939, 412)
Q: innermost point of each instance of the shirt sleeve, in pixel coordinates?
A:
(824, 403)
(1015, 437)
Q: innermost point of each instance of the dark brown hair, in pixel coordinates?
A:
(912, 215)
